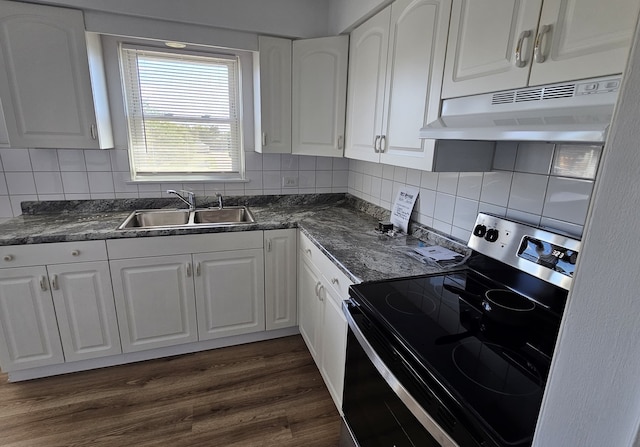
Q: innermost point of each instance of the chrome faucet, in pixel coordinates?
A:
(219, 196)
(190, 200)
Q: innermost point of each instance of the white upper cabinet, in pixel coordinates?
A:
(395, 73)
(498, 44)
(319, 95)
(482, 45)
(584, 39)
(417, 45)
(369, 44)
(272, 96)
(45, 81)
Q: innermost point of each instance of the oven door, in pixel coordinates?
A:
(378, 408)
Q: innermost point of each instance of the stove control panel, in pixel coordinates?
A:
(547, 255)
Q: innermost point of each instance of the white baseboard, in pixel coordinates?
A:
(121, 359)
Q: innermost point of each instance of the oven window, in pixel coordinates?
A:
(376, 416)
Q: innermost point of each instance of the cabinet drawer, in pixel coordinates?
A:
(55, 253)
(337, 279)
(183, 244)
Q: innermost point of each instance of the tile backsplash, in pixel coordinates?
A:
(525, 183)
(75, 174)
(522, 185)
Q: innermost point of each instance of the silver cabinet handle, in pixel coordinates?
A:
(376, 144)
(198, 269)
(75, 253)
(8, 258)
(307, 251)
(383, 143)
(317, 292)
(321, 292)
(94, 132)
(43, 283)
(334, 281)
(264, 138)
(520, 62)
(268, 244)
(538, 55)
(188, 269)
(54, 282)
(340, 142)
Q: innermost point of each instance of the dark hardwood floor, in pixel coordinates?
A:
(260, 394)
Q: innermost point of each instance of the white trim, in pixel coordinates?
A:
(102, 362)
(122, 25)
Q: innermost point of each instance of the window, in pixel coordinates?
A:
(183, 114)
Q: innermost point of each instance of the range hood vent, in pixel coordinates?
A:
(570, 112)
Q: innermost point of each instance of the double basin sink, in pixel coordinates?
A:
(198, 218)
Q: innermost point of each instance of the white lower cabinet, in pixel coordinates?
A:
(229, 293)
(56, 305)
(280, 254)
(29, 331)
(85, 310)
(321, 290)
(334, 343)
(71, 302)
(173, 290)
(310, 306)
(155, 300)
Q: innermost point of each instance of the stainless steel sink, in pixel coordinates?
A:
(206, 217)
(224, 215)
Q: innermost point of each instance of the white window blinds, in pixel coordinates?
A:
(183, 112)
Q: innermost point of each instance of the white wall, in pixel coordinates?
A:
(303, 18)
(344, 15)
(593, 395)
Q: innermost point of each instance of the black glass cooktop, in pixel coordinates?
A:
(493, 369)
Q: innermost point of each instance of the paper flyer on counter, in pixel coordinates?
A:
(402, 207)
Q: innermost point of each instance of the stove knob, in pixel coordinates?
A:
(480, 230)
(492, 235)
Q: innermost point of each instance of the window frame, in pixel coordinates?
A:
(242, 61)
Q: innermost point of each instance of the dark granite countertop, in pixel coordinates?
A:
(336, 223)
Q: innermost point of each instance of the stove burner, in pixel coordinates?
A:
(493, 367)
(411, 303)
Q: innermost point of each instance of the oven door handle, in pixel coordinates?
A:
(403, 394)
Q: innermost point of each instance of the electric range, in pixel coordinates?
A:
(463, 369)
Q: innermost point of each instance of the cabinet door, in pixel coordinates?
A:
(28, 328)
(368, 49)
(482, 45)
(417, 44)
(319, 95)
(280, 278)
(334, 344)
(273, 96)
(45, 84)
(86, 313)
(585, 38)
(155, 301)
(230, 293)
(309, 305)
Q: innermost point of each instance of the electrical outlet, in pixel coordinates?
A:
(289, 182)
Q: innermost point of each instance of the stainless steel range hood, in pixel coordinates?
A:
(569, 112)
